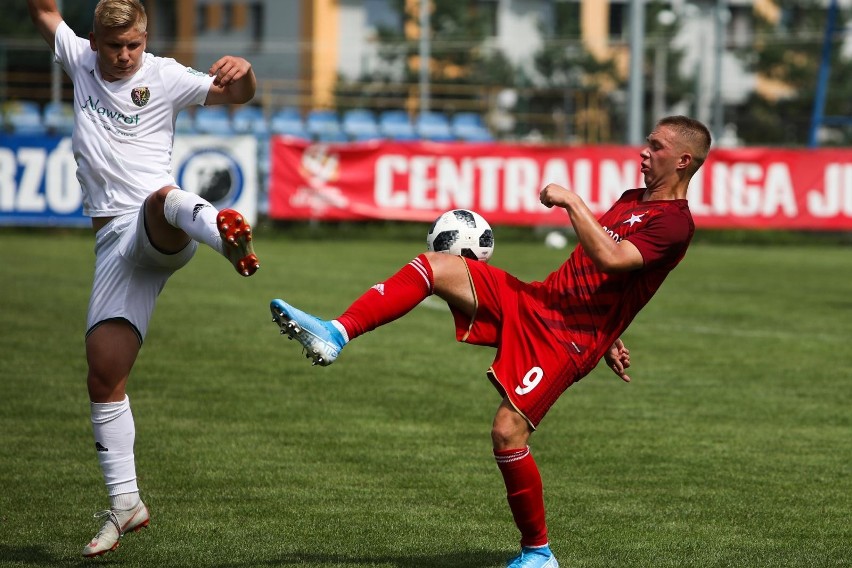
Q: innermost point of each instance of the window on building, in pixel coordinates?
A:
(619, 15)
(166, 22)
(200, 18)
(740, 26)
(566, 18)
(383, 14)
(486, 12)
(227, 17)
(256, 19)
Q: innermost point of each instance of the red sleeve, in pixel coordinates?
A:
(664, 238)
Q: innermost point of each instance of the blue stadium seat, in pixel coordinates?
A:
(58, 118)
(395, 124)
(434, 126)
(468, 126)
(185, 123)
(288, 121)
(249, 120)
(213, 120)
(332, 136)
(323, 125)
(24, 117)
(360, 124)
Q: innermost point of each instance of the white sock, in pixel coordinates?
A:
(115, 432)
(195, 216)
(341, 329)
(124, 501)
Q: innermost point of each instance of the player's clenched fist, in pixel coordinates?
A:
(554, 194)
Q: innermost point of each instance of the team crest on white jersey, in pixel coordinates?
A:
(140, 96)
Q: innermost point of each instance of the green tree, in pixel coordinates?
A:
(25, 60)
(789, 52)
(567, 95)
(590, 93)
(460, 63)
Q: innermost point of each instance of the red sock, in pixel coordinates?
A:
(390, 299)
(524, 493)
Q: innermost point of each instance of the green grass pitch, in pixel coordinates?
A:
(732, 447)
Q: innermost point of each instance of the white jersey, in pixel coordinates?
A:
(124, 130)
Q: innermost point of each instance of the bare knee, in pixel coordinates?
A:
(105, 388)
(111, 351)
(510, 430)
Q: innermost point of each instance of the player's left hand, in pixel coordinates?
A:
(228, 70)
(618, 359)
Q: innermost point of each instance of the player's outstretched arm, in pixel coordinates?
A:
(607, 254)
(234, 81)
(618, 359)
(46, 17)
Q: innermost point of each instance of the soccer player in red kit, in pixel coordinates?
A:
(548, 334)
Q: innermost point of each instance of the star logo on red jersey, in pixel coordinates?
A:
(634, 218)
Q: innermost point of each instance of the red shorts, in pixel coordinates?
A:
(533, 367)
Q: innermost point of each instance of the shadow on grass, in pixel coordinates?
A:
(465, 559)
(38, 556)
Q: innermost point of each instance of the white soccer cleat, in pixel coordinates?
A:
(117, 522)
(321, 340)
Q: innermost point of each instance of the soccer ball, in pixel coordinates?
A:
(462, 232)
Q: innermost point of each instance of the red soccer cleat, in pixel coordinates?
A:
(236, 241)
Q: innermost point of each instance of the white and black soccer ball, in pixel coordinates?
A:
(462, 232)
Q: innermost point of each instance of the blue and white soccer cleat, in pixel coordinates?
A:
(321, 340)
(538, 557)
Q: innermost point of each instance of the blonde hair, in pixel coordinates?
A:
(112, 14)
(693, 134)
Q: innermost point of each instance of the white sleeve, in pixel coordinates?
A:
(68, 48)
(187, 86)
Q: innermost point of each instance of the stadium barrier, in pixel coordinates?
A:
(39, 187)
(743, 188)
(753, 188)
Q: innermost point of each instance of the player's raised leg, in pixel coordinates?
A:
(321, 339)
(236, 236)
(226, 231)
(382, 303)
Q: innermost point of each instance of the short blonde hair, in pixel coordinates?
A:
(693, 134)
(112, 14)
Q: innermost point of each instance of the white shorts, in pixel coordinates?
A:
(130, 273)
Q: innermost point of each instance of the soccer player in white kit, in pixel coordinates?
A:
(126, 102)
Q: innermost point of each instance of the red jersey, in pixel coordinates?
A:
(591, 309)
(551, 334)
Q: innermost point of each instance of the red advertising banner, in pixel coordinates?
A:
(417, 181)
